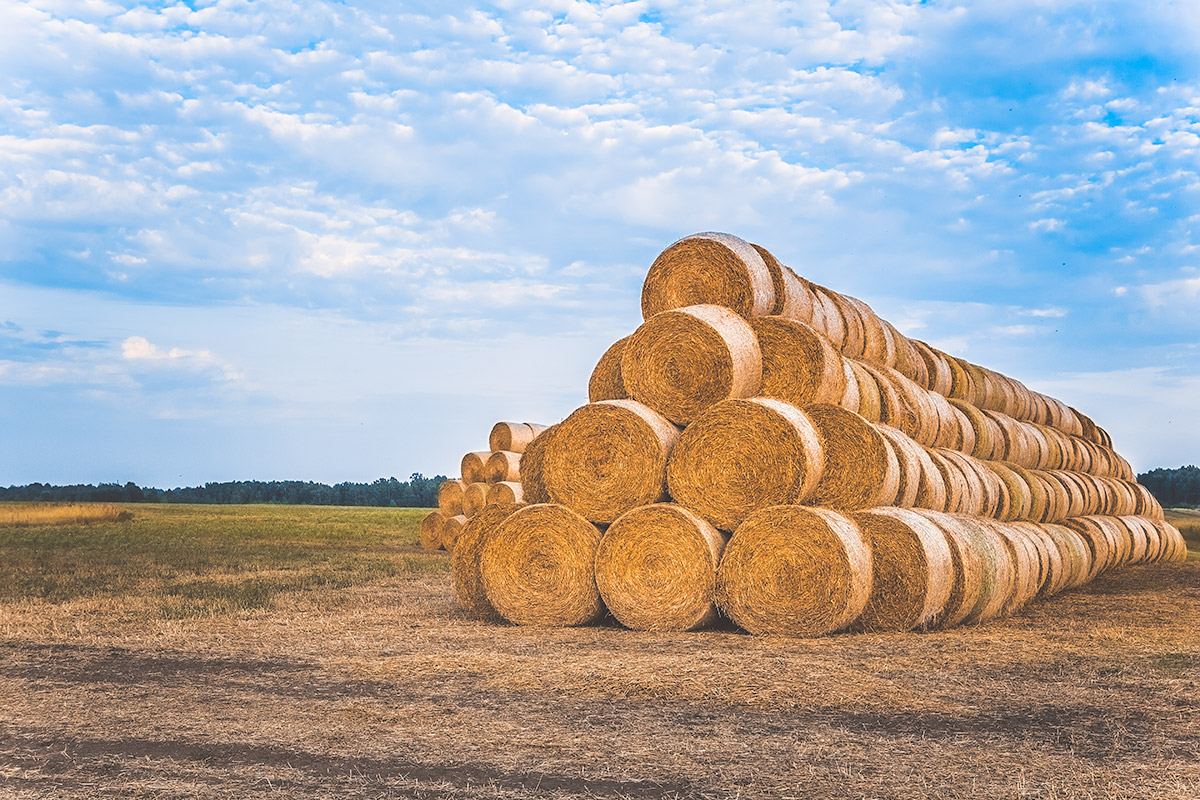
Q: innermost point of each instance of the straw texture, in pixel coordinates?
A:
(913, 570)
(799, 366)
(606, 382)
(503, 465)
(465, 573)
(709, 268)
(861, 469)
(512, 436)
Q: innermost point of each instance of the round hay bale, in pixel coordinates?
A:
(912, 570)
(1026, 558)
(709, 269)
(800, 302)
(505, 493)
(778, 287)
(892, 410)
(953, 479)
(850, 399)
(870, 399)
(962, 385)
(985, 435)
(656, 569)
(503, 465)
(854, 344)
(533, 462)
(861, 468)
(1039, 493)
(474, 466)
(967, 578)
(1058, 557)
(608, 457)
(1103, 540)
(1057, 496)
(474, 498)
(1020, 495)
(974, 498)
(1077, 555)
(513, 437)
(539, 567)
(450, 497)
(681, 362)
(999, 582)
(465, 572)
(962, 430)
(799, 366)
(931, 487)
(1077, 505)
(1138, 531)
(878, 346)
(1145, 503)
(452, 528)
(921, 417)
(909, 460)
(997, 500)
(605, 382)
(937, 366)
(743, 455)
(835, 326)
(431, 530)
(1175, 548)
(795, 570)
(908, 361)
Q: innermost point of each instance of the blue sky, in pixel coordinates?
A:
(337, 241)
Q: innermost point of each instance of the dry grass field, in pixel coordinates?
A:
(292, 652)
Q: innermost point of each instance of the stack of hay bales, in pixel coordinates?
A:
(769, 449)
(489, 477)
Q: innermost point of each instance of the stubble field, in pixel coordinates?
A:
(299, 652)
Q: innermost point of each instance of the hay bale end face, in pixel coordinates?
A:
(450, 497)
(474, 466)
(431, 530)
(681, 362)
(913, 570)
(861, 469)
(709, 268)
(606, 382)
(538, 567)
(796, 571)
(743, 455)
(474, 498)
(656, 568)
(513, 436)
(607, 458)
(452, 528)
(505, 492)
(799, 365)
(503, 465)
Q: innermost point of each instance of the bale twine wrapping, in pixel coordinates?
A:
(511, 436)
(539, 567)
(450, 497)
(681, 362)
(799, 366)
(709, 268)
(967, 581)
(505, 493)
(533, 461)
(912, 570)
(465, 572)
(474, 466)
(605, 382)
(998, 581)
(909, 461)
(503, 465)
(431, 530)
(861, 468)
(474, 498)
(744, 455)
(452, 528)
(608, 457)
(656, 568)
(795, 570)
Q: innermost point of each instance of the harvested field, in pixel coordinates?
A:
(353, 673)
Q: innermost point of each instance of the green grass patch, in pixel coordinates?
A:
(201, 560)
(1187, 520)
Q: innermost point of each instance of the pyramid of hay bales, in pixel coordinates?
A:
(770, 450)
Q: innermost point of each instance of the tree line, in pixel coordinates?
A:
(417, 492)
(1174, 487)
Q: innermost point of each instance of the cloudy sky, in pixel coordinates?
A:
(338, 240)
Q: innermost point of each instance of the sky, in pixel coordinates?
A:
(339, 240)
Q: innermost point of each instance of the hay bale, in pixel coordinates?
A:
(431, 530)
(931, 489)
(513, 436)
(800, 301)
(656, 568)
(795, 570)
(870, 399)
(891, 408)
(937, 366)
(606, 382)
(1175, 548)
(854, 343)
(908, 361)
(743, 455)
(778, 285)
(452, 528)
(952, 479)
(1076, 554)
(539, 567)
(608, 457)
(912, 570)
(831, 317)
(709, 269)
(450, 497)
(850, 398)
(1053, 554)
(1020, 494)
(474, 466)
(474, 498)
(1026, 558)
(1145, 503)
(799, 366)
(681, 362)
(985, 434)
(967, 566)
(465, 573)
(861, 469)
(505, 493)
(908, 457)
(503, 465)
(998, 575)
(973, 497)
(533, 461)
(1100, 542)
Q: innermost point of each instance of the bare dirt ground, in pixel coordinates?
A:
(387, 690)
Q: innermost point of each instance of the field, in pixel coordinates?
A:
(300, 652)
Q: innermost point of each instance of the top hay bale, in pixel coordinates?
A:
(709, 268)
